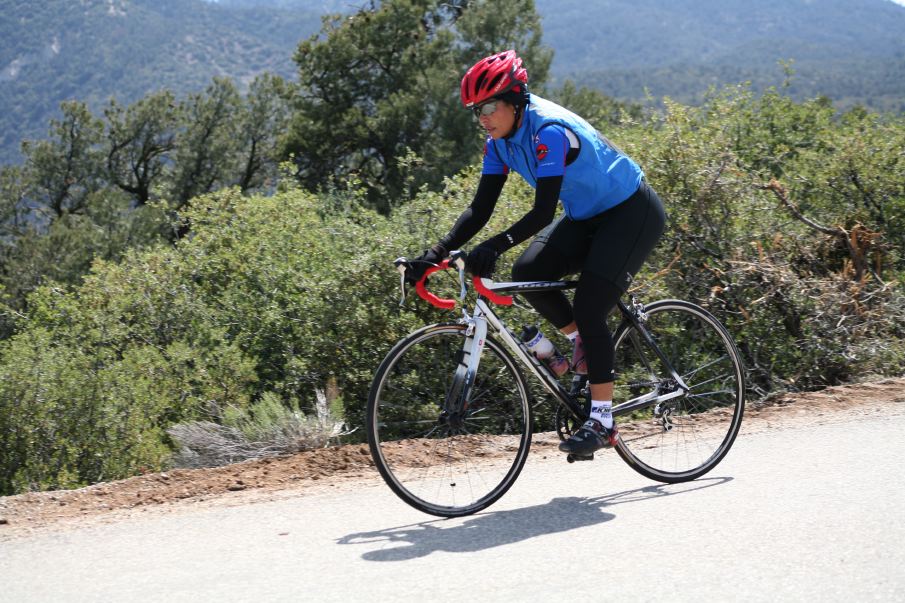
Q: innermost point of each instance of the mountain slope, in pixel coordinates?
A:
(90, 50)
(853, 51)
(621, 34)
(850, 50)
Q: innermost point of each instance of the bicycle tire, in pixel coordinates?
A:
(700, 426)
(433, 465)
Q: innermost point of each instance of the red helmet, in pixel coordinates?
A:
(492, 77)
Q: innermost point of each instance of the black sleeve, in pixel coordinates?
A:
(477, 214)
(545, 198)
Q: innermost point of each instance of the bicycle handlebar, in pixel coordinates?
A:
(457, 260)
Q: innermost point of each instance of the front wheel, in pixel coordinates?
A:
(685, 437)
(442, 461)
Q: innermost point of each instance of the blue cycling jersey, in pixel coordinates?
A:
(552, 150)
(553, 141)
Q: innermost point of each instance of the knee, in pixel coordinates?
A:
(590, 316)
(594, 299)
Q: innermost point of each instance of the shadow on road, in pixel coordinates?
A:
(487, 530)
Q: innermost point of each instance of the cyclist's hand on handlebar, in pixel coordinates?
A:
(418, 266)
(482, 260)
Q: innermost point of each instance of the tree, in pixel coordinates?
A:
(13, 203)
(379, 85)
(600, 110)
(139, 141)
(263, 118)
(207, 142)
(13, 222)
(74, 198)
(65, 169)
(86, 192)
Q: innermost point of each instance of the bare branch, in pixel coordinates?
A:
(850, 239)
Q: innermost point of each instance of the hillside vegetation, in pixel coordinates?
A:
(786, 223)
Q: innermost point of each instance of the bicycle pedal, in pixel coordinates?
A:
(577, 457)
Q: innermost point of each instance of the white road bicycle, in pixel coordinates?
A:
(449, 414)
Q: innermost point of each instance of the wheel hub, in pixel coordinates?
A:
(455, 421)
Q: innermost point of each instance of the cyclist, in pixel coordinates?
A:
(612, 220)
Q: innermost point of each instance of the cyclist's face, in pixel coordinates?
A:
(498, 122)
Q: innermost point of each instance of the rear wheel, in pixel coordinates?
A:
(440, 462)
(687, 436)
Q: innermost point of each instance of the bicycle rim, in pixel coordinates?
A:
(683, 438)
(443, 466)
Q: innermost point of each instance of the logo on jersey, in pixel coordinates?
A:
(541, 151)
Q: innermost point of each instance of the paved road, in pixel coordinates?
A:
(791, 515)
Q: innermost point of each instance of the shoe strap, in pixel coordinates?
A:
(594, 426)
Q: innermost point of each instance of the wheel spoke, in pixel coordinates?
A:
(720, 378)
(721, 392)
(687, 376)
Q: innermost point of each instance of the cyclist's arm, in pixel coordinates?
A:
(473, 219)
(545, 198)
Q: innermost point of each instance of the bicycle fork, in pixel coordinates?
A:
(469, 357)
(459, 395)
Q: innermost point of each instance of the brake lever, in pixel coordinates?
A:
(401, 267)
(458, 259)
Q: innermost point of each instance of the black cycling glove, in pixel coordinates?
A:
(420, 265)
(482, 260)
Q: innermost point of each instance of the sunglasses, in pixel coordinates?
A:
(484, 109)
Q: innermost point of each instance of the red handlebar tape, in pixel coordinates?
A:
(439, 302)
(500, 300)
(449, 304)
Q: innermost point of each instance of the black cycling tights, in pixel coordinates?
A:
(595, 297)
(608, 250)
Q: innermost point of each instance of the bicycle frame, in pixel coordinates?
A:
(484, 319)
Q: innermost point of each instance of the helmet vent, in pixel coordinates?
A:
(479, 82)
